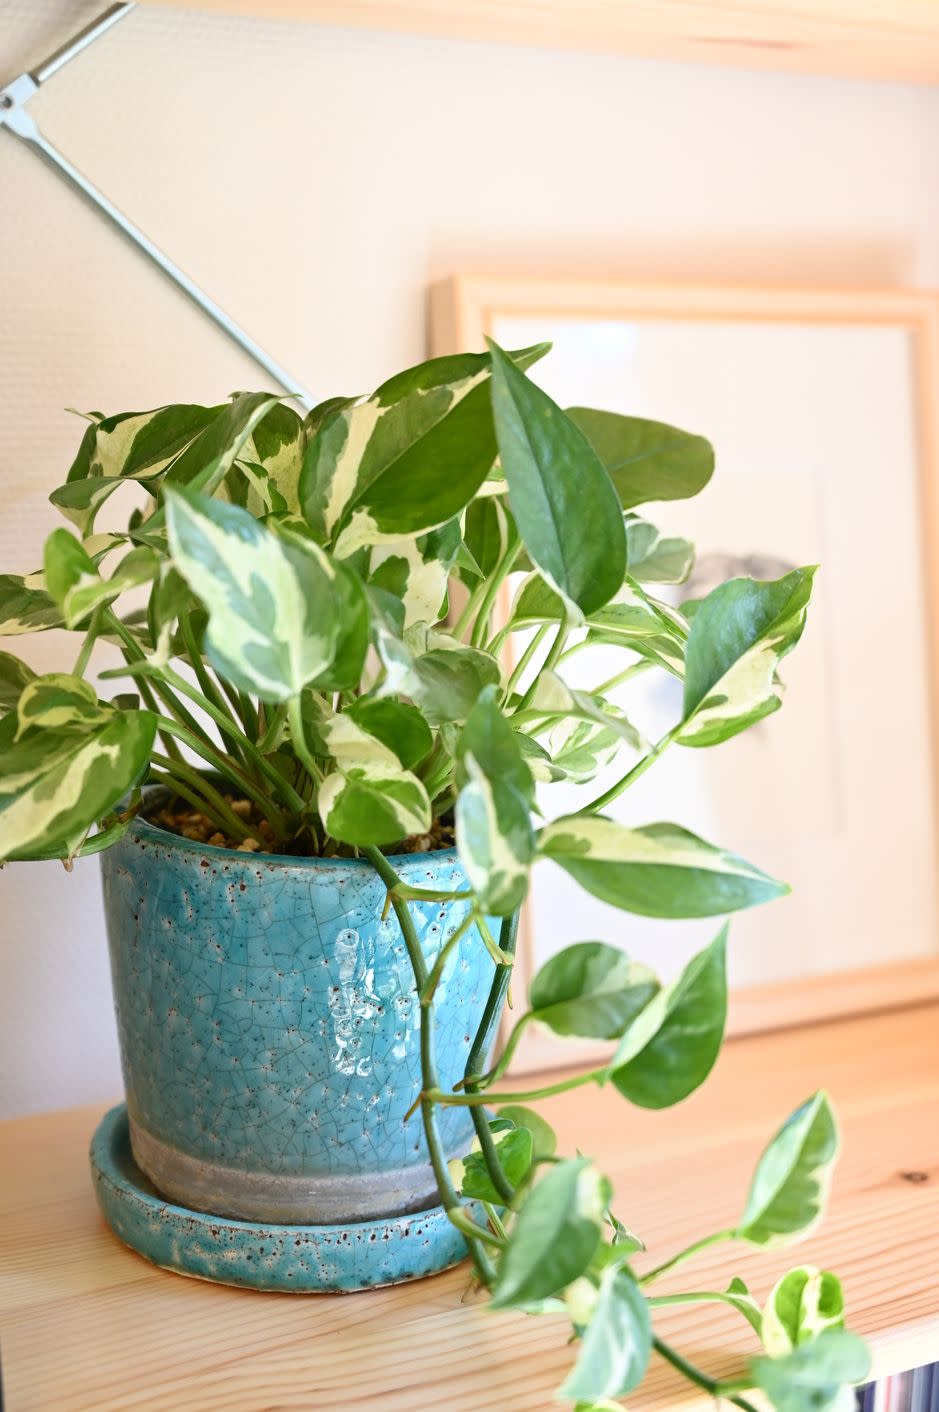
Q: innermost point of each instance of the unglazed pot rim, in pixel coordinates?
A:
(148, 831)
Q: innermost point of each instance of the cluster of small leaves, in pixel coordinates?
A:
(310, 614)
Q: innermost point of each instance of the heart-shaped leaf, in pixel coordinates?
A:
(555, 1235)
(616, 1345)
(803, 1303)
(820, 1375)
(591, 989)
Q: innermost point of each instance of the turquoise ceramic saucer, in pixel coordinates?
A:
(304, 1259)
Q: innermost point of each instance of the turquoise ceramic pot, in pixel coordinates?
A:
(269, 1027)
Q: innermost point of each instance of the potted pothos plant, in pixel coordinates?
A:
(316, 809)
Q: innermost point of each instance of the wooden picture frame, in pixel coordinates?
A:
(464, 310)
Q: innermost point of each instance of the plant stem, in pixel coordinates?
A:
(550, 662)
(472, 603)
(94, 627)
(470, 1100)
(229, 768)
(479, 1054)
(695, 1375)
(523, 661)
(179, 787)
(499, 573)
(298, 739)
(684, 1255)
(633, 670)
(507, 1055)
(208, 688)
(179, 769)
(443, 955)
(445, 1189)
(637, 771)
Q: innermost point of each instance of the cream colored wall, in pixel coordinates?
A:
(314, 181)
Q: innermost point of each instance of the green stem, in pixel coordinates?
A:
(206, 685)
(446, 1191)
(135, 654)
(633, 670)
(228, 728)
(524, 660)
(637, 771)
(178, 787)
(443, 955)
(94, 627)
(179, 769)
(550, 662)
(230, 769)
(508, 1053)
(274, 730)
(472, 1100)
(684, 1255)
(499, 574)
(479, 1055)
(472, 603)
(696, 1376)
(298, 739)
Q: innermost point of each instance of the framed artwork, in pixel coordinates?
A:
(822, 407)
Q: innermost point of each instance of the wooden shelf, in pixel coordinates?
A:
(89, 1324)
(886, 39)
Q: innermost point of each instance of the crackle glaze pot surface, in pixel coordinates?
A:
(269, 1028)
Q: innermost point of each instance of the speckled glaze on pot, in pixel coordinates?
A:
(269, 1027)
(289, 1258)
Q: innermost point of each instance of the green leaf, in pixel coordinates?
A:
(536, 603)
(580, 748)
(373, 803)
(660, 870)
(59, 777)
(24, 608)
(14, 677)
(73, 580)
(494, 833)
(544, 1138)
(791, 1180)
(405, 461)
(653, 559)
(440, 675)
(553, 697)
(350, 606)
(645, 626)
(272, 600)
(803, 1303)
(819, 1375)
(615, 1349)
(591, 989)
(444, 372)
(60, 703)
(738, 636)
(563, 502)
(471, 1175)
(646, 460)
(683, 1050)
(555, 1235)
(398, 725)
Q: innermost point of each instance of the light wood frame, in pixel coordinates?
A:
(462, 312)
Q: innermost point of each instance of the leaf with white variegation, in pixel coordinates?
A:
(372, 804)
(684, 1048)
(555, 1236)
(646, 460)
(640, 623)
(417, 571)
(802, 1304)
(790, 1184)
(25, 607)
(820, 1375)
(470, 1175)
(562, 499)
(553, 697)
(659, 870)
(73, 580)
(592, 990)
(614, 1352)
(405, 461)
(494, 833)
(14, 677)
(441, 676)
(65, 762)
(738, 636)
(397, 724)
(271, 599)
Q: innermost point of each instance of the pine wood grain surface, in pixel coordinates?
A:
(893, 39)
(87, 1324)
